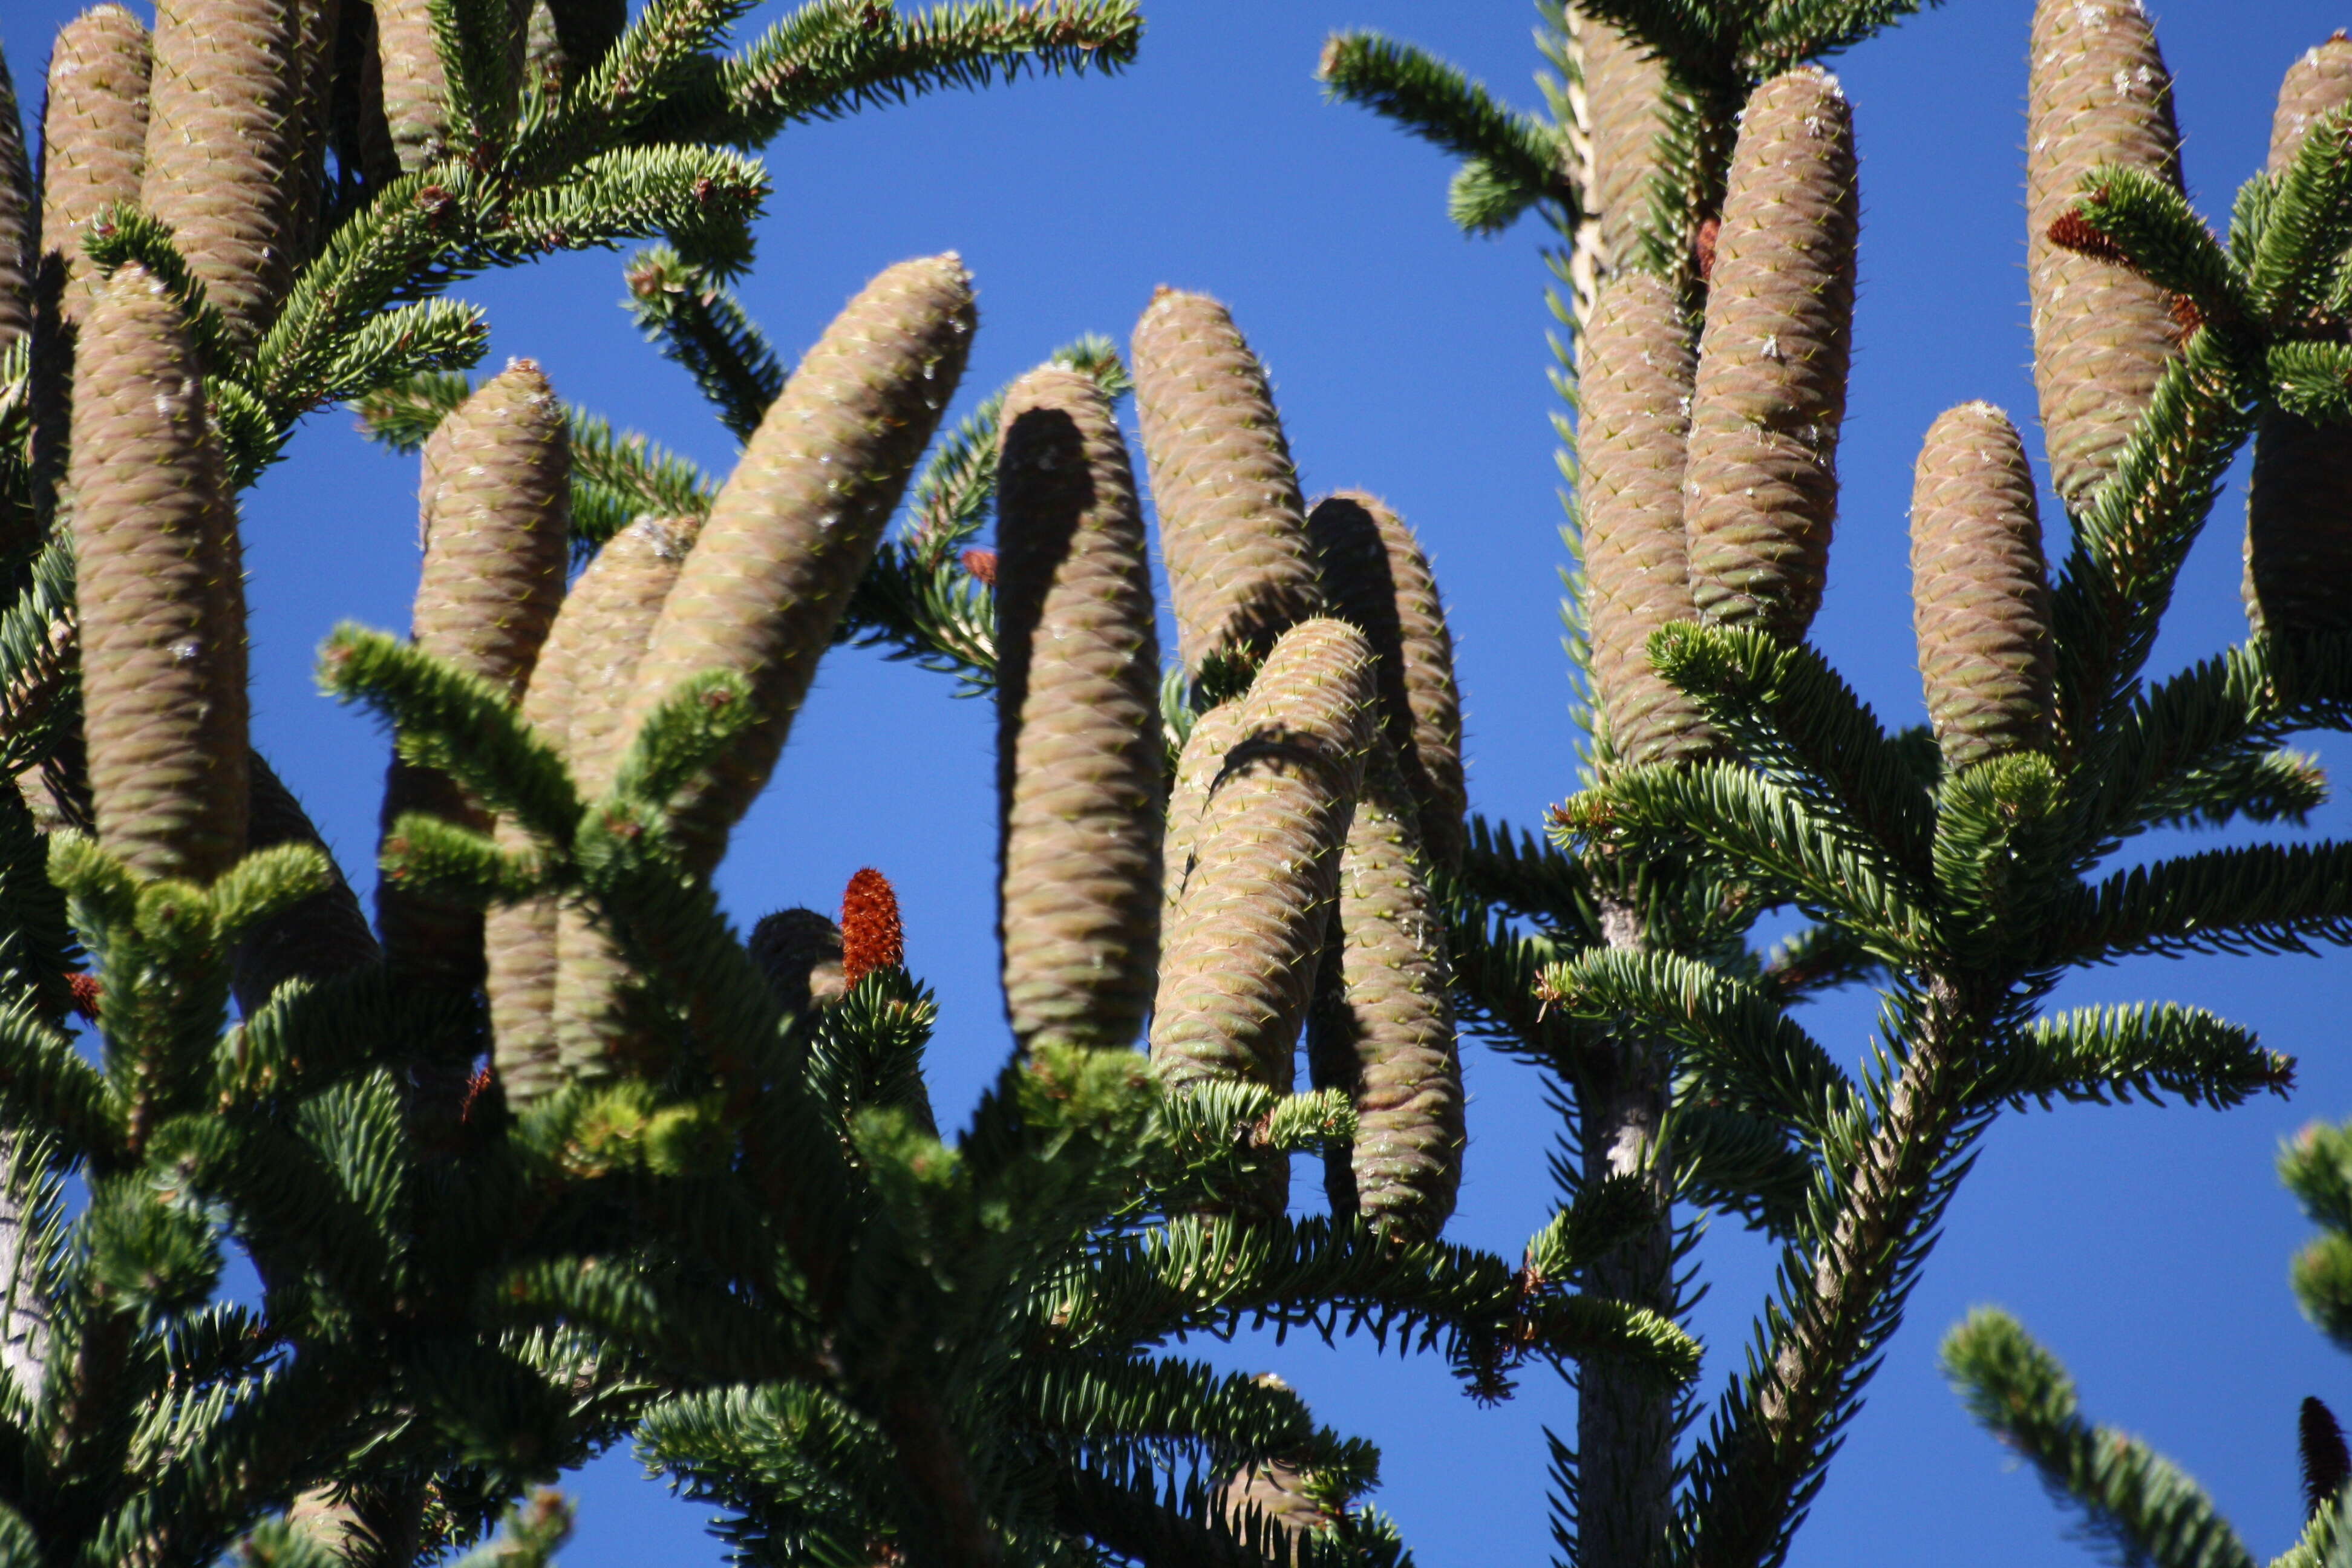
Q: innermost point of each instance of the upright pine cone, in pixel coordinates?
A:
(495, 507)
(797, 523)
(2097, 93)
(1378, 580)
(1634, 392)
(316, 939)
(20, 219)
(1762, 480)
(94, 137)
(162, 593)
(574, 700)
(2299, 497)
(416, 88)
(1382, 1023)
(1978, 590)
(226, 142)
(1626, 90)
(800, 952)
(2316, 86)
(1231, 524)
(1240, 954)
(1199, 766)
(1078, 771)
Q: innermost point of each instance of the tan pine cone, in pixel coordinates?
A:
(94, 137)
(574, 699)
(1079, 761)
(2096, 92)
(1198, 767)
(162, 593)
(1980, 592)
(800, 952)
(495, 503)
(1382, 1023)
(1626, 86)
(2316, 86)
(1377, 579)
(592, 648)
(1231, 524)
(316, 939)
(1761, 482)
(19, 213)
(797, 523)
(1239, 957)
(2299, 497)
(226, 133)
(415, 89)
(1633, 396)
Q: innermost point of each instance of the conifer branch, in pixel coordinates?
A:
(835, 57)
(2263, 899)
(1510, 160)
(702, 327)
(2133, 1497)
(2148, 1049)
(1744, 1050)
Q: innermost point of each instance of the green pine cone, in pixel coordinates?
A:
(1760, 483)
(2299, 497)
(2316, 86)
(797, 523)
(1231, 524)
(1079, 762)
(1383, 1022)
(495, 510)
(162, 593)
(1378, 580)
(415, 89)
(1239, 955)
(94, 137)
(800, 952)
(225, 141)
(318, 938)
(1978, 590)
(2097, 92)
(19, 215)
(1634, 395)
(574, 699)
(1625, 88)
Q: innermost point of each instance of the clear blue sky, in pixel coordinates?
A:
(2148, 1247)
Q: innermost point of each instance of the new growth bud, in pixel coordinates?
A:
(1761, 484)
(1232, 525)
(872, 936)
(1078, 756)
(2097, 92)
(1978, 590)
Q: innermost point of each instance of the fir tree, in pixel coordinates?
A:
(550, 1157)
(1698, 173)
